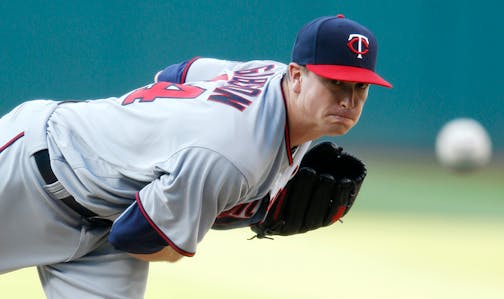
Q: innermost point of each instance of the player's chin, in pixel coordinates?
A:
(337, 130)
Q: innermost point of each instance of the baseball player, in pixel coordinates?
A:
(93, 190)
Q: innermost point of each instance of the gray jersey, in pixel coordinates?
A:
(185, 152)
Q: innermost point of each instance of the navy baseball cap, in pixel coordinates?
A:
(338, 48)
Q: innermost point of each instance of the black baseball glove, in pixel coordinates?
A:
(322, 191)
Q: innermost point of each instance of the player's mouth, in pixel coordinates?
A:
(342, 116)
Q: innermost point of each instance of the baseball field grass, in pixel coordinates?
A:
(416, 231)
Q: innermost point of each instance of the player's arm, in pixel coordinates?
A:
(167, 254)
(196, 69)
(174, 212)
(134, 234)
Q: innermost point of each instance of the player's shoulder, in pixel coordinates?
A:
(201, 65)
(210, 69)
(231, 64)
(259, 63)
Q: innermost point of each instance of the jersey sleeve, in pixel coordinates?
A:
(132, 233)
(175, 73)
(196, 69)
(180, 207)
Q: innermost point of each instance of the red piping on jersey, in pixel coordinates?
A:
(186, 68)
(287, 134)
(156, 228)
(279, 206)
(10, 142)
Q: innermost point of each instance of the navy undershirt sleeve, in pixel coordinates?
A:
(132, 233)
(173, 73)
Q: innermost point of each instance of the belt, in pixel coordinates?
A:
(44, 166)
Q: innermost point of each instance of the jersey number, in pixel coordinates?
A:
(163, 90)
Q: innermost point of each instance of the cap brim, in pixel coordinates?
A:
(348, 73)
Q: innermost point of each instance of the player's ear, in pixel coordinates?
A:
(295, 76)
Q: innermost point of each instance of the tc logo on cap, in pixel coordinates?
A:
(362, 46)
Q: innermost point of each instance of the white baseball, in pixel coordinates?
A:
(463, 145)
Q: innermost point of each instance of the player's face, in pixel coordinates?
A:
(333, 106)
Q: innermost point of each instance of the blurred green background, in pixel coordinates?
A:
(417, 230)
(443, 57)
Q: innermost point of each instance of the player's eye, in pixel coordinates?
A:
(362, 85)
(333, 83)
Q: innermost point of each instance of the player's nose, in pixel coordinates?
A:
(346, 98)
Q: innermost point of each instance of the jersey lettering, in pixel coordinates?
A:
(243, 84)
(237, 92)
(261, 70)
(163, 90)
(242, 215)
(241, 211)
(229, 98)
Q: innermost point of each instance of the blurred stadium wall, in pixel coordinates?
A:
(443, 57)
